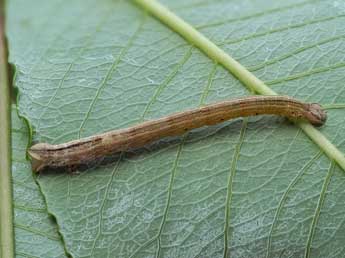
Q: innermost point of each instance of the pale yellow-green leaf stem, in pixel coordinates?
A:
(6, 212)
(246, 77)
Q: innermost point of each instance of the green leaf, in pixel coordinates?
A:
(245, 76)
(257, 187)
(36, 233)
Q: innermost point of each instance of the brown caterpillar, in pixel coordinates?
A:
(84, 150)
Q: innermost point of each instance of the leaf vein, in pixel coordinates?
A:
(170, 188)
(294, 52)
(100, 224)
(229, 193)
(69, 68)
(305, 74)
(168, 79)
(254, 15)
(280, 29)
(316, 216)
(35, 231)
(110, 71)
(284, 196)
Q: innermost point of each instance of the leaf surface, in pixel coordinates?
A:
(256, 187)
(36, 233)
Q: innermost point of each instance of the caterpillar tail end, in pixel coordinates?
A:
(37, 161)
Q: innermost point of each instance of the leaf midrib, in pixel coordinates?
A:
(245, 76)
